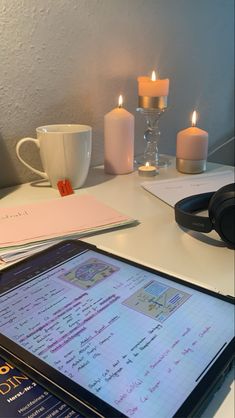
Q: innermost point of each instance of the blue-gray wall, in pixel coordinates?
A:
(68, 60)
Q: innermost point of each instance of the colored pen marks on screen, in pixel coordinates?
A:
(89, 273)
(157, 300)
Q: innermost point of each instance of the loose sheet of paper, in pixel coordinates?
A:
(173, 190)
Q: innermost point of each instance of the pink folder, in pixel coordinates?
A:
(57, 218)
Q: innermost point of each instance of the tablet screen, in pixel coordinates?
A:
(135, 339)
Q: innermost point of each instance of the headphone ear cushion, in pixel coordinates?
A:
(222, 213)
(223, 193)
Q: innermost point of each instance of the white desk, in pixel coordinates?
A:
(157, 241)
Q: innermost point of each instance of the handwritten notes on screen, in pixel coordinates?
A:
(128, 336)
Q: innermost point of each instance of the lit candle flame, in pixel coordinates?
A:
(154, 76)
(194, 118)
(147, 164)
(120, 101)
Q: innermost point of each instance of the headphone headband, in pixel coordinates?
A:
(185, 208)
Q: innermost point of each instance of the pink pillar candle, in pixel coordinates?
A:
(119, 141)
(191, 149)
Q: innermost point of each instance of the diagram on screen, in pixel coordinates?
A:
(89, 273)
(157, 300)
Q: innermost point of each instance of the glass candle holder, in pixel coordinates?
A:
(152, 108)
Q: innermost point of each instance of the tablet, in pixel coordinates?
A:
(112, 338)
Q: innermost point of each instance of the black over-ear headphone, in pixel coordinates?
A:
(221, 210)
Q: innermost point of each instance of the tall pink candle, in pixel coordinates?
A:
(119, 141)
(191, 149)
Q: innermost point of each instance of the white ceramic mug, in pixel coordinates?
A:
(65, 152)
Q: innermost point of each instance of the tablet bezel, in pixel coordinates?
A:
(87, 403)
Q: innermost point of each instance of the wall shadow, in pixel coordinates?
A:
(5, 191)
(8, 173)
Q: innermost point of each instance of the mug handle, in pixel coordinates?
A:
(36, 142)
